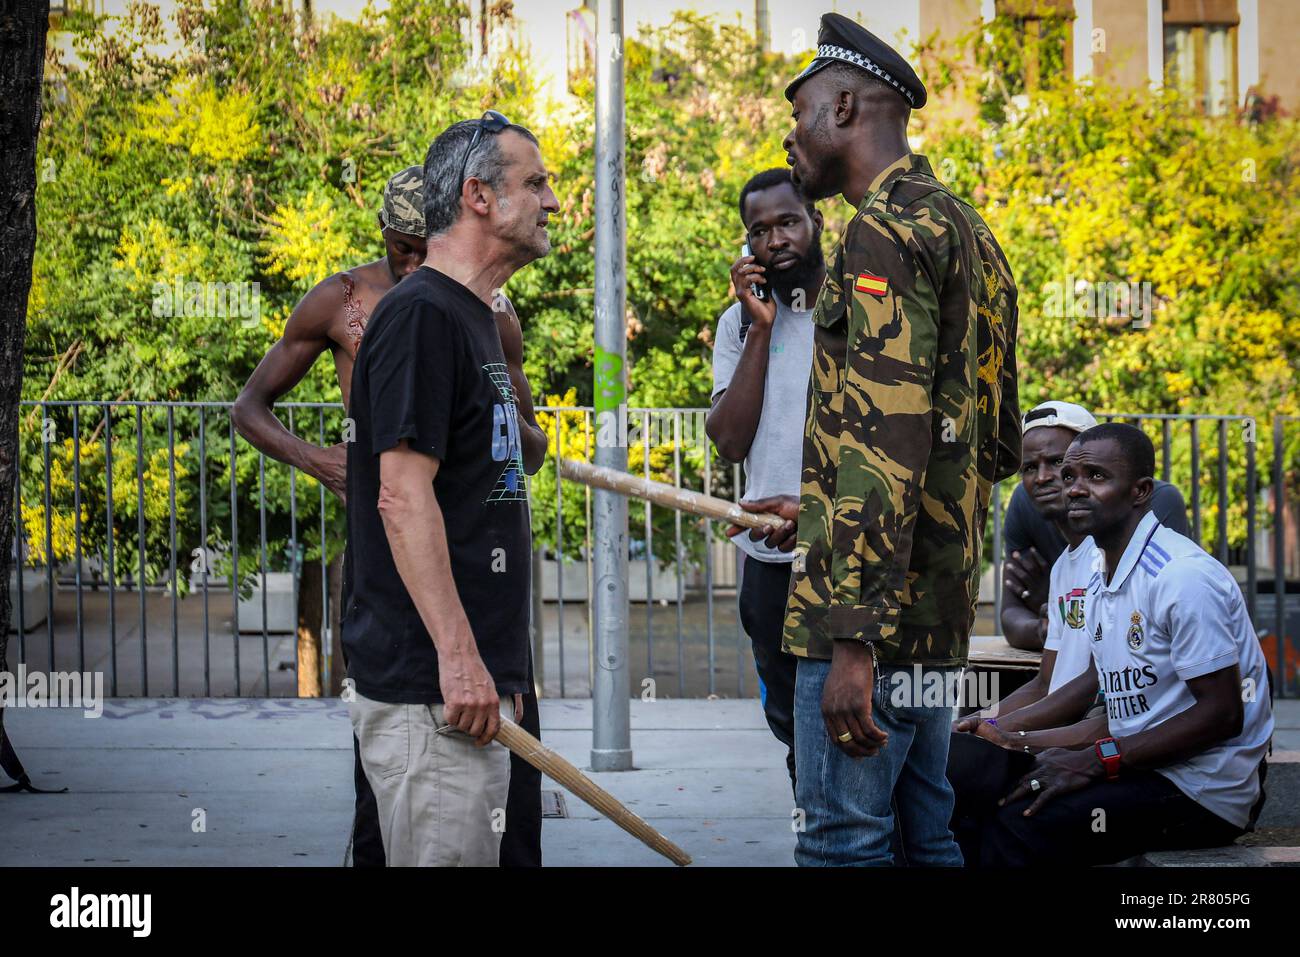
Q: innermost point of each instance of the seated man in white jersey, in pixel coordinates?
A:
(1176, 759)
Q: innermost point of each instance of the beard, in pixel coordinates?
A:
(804, 275)
(813, 184)
(818, 176)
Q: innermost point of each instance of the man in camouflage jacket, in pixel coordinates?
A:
(912, 416)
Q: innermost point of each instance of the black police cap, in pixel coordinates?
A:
(840, 40)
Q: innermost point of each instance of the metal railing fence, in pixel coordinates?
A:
(161, 506)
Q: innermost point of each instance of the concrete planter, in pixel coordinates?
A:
(664, 583)
(575, 580)
(281, 613)
(35, 598)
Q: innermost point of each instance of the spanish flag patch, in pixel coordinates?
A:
(876, 285)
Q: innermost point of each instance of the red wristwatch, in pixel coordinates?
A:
(1108, 754)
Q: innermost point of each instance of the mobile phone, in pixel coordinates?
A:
(760, 292)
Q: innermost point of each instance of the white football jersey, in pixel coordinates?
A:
(1067, 620)
(1171, 613)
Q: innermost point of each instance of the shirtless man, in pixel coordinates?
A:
(332, 317)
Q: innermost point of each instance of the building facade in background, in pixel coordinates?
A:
(1218, 53)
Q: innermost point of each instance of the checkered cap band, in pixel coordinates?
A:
(829, 51)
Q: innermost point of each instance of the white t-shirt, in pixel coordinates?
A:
(775, 458)
(1172, 613)
(1067, 621)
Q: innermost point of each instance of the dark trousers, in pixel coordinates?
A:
(367, 843)
(1103, 823)
(762, 614)
(521, 844)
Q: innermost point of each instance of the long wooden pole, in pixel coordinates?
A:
(684, 500)
(558, 769)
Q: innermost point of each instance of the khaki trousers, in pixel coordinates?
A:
(441, 800)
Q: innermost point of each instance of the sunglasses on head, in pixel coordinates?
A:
(490, 122)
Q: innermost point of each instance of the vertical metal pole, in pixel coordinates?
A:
(46, 440)
(234, 551)
(140, 536)
(112, 573)
(1279, 557)
(1252, 490)
(326, 627)
(293, 547)
(1164, 450)
(538, 627)
(649, 553)
(611, 748)
(708, 571)
(559, 543)
(589, 563)
(738, 560)
(171, 531)
(262, 570)
(1221, 547)
(1196, 481)
(677, 553)
(76, 512)
(204, 558)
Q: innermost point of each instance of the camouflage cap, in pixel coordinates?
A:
(403, 208)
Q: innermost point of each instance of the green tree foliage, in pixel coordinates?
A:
(1090, 187)
(254, 153)
(257, 151)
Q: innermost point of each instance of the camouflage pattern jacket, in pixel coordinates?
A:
(912, 416)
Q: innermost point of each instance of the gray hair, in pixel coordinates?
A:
(442, 165)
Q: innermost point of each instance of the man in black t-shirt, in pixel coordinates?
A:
(1035, 541)
(436, 628)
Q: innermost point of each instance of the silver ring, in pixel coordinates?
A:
(1035, 786)
(1025, 593)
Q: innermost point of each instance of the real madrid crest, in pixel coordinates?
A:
(1135, 631)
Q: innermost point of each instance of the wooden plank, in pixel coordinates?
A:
(992, 651)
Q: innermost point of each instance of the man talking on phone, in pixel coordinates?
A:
(761, 360)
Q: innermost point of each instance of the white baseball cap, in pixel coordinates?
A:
(1065, 415)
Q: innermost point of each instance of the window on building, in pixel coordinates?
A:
(1201, 52)
(1035, 42)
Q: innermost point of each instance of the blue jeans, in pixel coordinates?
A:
(850, 805)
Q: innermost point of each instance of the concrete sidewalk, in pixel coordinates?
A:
(271, 782)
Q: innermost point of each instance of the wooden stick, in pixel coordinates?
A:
(558, 769)
(684, 500)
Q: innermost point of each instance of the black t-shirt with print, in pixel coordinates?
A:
(430, 370)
